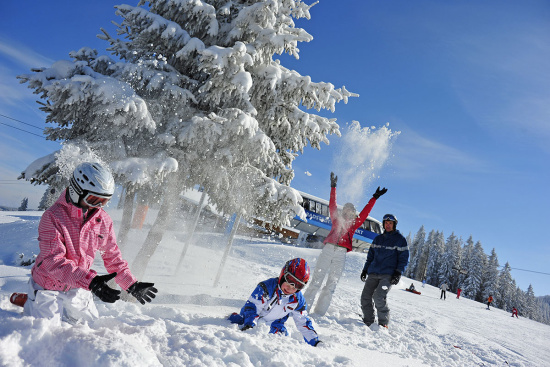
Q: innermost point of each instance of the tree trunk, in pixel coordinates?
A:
(126, 221)
(171, 196)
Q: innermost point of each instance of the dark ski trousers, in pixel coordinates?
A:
(443, 294)
(375, 293)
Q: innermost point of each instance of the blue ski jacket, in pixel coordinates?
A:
(388, 252)
(269, 303)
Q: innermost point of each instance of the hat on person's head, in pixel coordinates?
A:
(391, 218)
(350, 207)
(91, 182)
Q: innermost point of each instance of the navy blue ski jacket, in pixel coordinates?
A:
(388, 252)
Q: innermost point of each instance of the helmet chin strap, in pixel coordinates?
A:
(69, 199)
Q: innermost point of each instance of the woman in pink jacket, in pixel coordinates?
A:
(332, 259)
(70, 233)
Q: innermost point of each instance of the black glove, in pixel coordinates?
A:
(395, 277)
(379, 192)
(364, 275)
(144, 292)
(333, 179)
(246, 327)
(99, 287)
(317, 343)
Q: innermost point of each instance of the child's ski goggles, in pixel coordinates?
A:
(294, 282)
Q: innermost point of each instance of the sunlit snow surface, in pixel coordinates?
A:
(186, 324)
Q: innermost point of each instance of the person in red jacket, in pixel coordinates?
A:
(70, 234)
(515, 312)
(331, 261)
(489, 301)
(458, 291)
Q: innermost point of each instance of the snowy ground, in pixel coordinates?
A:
(186, 324)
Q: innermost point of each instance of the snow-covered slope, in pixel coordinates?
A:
(186, 324)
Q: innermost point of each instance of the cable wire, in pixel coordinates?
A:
(28, 132)
(11, 118)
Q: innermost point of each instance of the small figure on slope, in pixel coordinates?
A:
(515, 312)
(412, 289)
(275, 299)
(489, 301)
(443, 288)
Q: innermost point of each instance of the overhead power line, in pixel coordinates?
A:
(31, 125)
(28, 132)
(530, 271)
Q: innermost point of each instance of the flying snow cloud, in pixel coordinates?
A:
(363, 153)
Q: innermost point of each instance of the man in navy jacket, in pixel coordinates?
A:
(386, 260)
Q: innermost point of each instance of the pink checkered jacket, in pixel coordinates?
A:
(68, 244)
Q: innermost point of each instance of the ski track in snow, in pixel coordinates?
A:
(186, 324)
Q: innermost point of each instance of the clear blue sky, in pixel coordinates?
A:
(467, 83)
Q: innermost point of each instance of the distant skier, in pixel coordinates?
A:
(515, 312)
(275, 299)
(489, 301)
(444, 288)
(386, 260)
(70, 234)
(424, 283)
(458, 291)
(331, 261)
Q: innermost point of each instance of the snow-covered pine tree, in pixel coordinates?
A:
(198, 81)
(416, 248)
(409, 239)
(45, 171)
(449, 262)
(532, 309)
(48, 198)
(518, 300)
(434, 259)
(544, 306)
(505, 289)
(465, 260)
(24, 205)
(231, 113)
(423, 255)
(457, 250)
(472, 285)
(490, 277)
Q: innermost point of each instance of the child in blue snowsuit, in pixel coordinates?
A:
(275, 299)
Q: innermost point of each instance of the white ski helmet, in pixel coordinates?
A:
(91, 179)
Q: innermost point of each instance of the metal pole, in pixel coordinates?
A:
(195, 222)
(234, 223)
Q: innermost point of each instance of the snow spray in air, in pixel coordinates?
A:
(364, 151)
